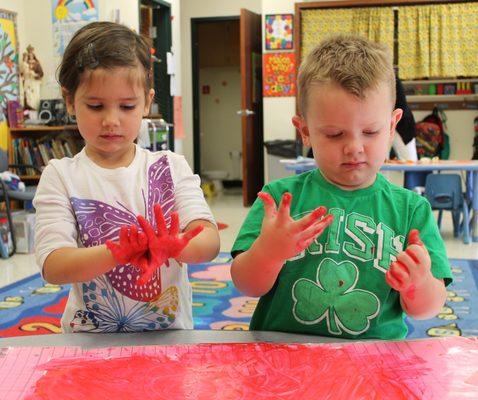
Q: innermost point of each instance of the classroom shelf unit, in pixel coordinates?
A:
(37, 144)
(447, 94)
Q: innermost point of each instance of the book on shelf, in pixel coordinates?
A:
(39, 152)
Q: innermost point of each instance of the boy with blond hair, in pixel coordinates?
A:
(352, 272)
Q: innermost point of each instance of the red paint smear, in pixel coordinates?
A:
(16, 330)
(236, 371)
(221, 226)
(58, 307)
(410, 293)
(414, 237)
(412, 255)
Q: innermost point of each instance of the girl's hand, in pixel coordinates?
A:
(163, 244)
(131, 248)
(282, 236)
(412, 268)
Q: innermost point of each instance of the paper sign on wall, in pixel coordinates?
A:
(279, 75)
(67, 17)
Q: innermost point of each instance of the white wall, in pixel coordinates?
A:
(197, 9)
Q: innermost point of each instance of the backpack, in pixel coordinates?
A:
(431, 139)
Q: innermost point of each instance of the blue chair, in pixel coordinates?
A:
(444, 192)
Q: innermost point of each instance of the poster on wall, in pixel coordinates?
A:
(279, 75)
(67, 17)
(279, 31)
(9, 76)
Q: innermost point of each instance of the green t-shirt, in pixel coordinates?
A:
(337, 287)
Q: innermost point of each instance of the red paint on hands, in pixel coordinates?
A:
(285, 237)
(414, 237)
(163, 244)
(131, 247)
(412, 267)
(410, 292)
(150, 249)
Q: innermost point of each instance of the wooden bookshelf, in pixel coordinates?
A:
(423, 94)
(32, 136)
(43, 129)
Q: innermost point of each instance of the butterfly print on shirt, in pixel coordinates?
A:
(99, 222)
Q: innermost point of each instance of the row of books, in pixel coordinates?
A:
(38, 152)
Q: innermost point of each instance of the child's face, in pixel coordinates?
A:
(350, 137)
(109, 106)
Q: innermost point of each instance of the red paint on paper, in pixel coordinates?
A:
(240, 371)
(439, 368)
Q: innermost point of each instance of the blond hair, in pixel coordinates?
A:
(354, 63)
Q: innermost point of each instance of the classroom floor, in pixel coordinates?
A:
(227, 208)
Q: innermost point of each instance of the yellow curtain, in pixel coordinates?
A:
(374, 23)
(438, 41)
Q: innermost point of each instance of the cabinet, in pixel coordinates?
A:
(36, 145)
(447, 94)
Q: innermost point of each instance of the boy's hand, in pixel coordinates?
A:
(411, 269)
(131, 248)
(283, 237)
(163, 244)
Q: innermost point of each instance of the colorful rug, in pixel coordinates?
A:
(33, 307)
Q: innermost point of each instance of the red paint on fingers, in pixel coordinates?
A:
(414, 237)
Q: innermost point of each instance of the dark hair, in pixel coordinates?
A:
(103, 45)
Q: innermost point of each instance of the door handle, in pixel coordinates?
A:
(245, 113)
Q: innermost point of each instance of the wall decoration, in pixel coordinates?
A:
(279, 75)
(279, 31)
(9, 75)
(67, 17)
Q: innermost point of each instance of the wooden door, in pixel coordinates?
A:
(251, 104)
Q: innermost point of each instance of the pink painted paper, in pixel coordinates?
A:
(444, 368)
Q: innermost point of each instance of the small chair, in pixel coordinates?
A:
(444, 192)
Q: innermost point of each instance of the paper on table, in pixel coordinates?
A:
(445, 368)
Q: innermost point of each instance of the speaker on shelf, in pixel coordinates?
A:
(53, 112)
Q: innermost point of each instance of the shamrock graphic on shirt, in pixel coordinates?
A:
(334, 297)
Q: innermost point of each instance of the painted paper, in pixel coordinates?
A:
(279, 75)
(67, 17)
(278, 28)
(427, 369)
